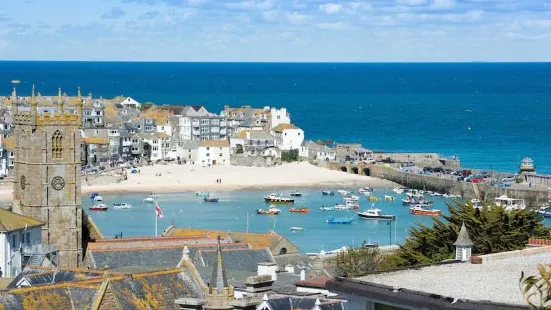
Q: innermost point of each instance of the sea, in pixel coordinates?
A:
(491, 115)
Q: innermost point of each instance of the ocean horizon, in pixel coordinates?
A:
(491, 114)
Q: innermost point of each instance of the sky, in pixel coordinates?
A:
(276, 30)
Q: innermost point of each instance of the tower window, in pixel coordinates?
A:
(57, 148)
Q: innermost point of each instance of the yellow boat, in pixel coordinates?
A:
(373, 198)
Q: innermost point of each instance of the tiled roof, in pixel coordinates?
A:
(238, 259)
(9, 143)
(95, 140)
(281, 127)
(214, 143)
(255, 240)
(12, 221)
(254, 135)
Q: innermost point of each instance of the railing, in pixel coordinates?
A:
(39, 249)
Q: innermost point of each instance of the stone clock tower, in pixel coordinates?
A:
(47, 175)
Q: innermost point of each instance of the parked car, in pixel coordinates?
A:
(388, 160)
(508, 179)
(476, 180)
(465, 172)
(427, 169)
(369, 161)
(437, 169)
(448, 171)
(483, 174)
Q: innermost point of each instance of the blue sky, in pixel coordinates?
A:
(276, 30)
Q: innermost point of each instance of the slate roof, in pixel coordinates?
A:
(463, 238)
(214, 143)
(10, 221)
(36, 275)
(238, 259)
(50, 297)
(281, 127)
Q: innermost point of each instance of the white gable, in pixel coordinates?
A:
(130, 102)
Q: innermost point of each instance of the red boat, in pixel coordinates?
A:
(299, 210)
(100, 207)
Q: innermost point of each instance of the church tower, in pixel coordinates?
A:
(47, 175)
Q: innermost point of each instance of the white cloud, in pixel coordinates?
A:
(251, 5)
(411, 2)
(334, 26)
(330, 8)
(295, 18)
(442, 4)
(357, 6)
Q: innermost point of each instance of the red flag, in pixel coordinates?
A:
(158, 211)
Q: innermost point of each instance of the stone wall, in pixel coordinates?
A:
(254, 161)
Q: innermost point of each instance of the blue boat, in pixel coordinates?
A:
(94, 195)
(327, 193)
(544, 211)
(340, 220)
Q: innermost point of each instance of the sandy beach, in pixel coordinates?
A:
(175, 178)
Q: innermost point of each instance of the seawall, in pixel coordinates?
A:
(533, 198)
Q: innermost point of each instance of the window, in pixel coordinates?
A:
(215, 122)
(88, 113)
(208, 154)
(57, 149)
(220, 154)
(204, 122)
(299, 133)
(278, 117)
(208, 148)
(155, 148)
(204, 129)
(29, 238)
(13, 241)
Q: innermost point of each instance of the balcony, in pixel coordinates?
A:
(196, 132)
(195, 123)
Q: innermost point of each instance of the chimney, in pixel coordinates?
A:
(258, 285)
(248, 134)
(268, 268)
(302, 275)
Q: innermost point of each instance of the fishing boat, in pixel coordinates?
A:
(344, 192)
(324, 208)
(415, 194)
(373, 198)
(340, 220)
(294, 228)
(202, 194)
(100, 207)
(544, 211)
(389, 198)
(414, 201)
(375, 214)
(274, 198)
(398, 190)
(210, 199)
(96, 197)
(327, 193)
(510, 204)
(123, 205)
(366, 189)
(299, 210)
(271, 211)
(295, 194)
(93, 195)
(351, 198)
(149, 199)
(424, 210)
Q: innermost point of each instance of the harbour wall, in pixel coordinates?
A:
(532, 197)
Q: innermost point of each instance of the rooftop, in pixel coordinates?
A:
(10, 221)
(214, 143)
(281, 127)
(495, 280)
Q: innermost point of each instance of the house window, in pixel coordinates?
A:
(220, 154)
(28, 237)
(299, 133)
(155, 148)
(208, 154)
(13, 241)
(204, 122)
(208, 148)
(285, 133)
(57, 149)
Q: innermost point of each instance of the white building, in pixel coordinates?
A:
(251, 141)
(213, 152)
(288, 137)
(185, 151)
(129, 102)
(278, 117)
(310, 149)
(17, 232)
(158, 142)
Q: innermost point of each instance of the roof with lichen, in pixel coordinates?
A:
(281, 127)
(10, 221)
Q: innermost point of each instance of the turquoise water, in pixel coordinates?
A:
(187, 210)
(421, 107)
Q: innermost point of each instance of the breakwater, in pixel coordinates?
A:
(532, 197)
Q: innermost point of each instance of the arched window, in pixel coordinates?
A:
(57, 149)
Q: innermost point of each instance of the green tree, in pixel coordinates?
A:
(239, 149)
(492, 230)
(147, 151)
(358, 261)
(290, 155)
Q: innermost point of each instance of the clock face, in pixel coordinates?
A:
(23, 182)
(58, 183)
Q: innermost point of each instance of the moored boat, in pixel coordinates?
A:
(340, 220)
(271, 211)
(295, 194)
(544, 211)
(375, 214)
(122, 205)
(344, 192)
(373, 198)
(149, 199)
(274, 198)
(510, 204)
(96, 197)
(425, 210)
(398, 190)
(100, 207)
(351, 198)
(299, 210)
(324, 208)
(210, 199)
(295, 228)
(327, 193)
(389, 198)
(202, 194)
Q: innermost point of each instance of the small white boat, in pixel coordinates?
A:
(398, 190)
(389, 198)
(510, 204)
(123, 205)
(343, 192)
(98, 198)
(324, 208)
(149, 199)
(296, 228)
(351, 198)
(375, 214)
(476, 203)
